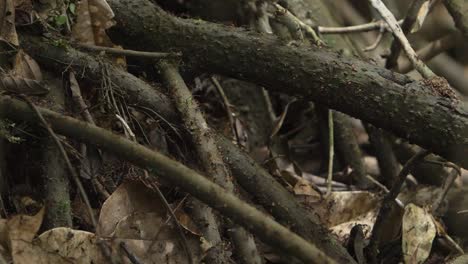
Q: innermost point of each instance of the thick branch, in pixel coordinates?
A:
(352, 86)
(253, 178)
(260, 224)
(459, 11)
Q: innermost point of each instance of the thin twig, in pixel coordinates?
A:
(65, 157)
(398, 33)
(127, 128)
(331, 152)
(429, 51)
(134, 259)
(408, 24)
(376, 43)
(179, 228)
(126, 52)
(456, 172)
(227, 105)
(377, 25)
(283, 12)
(387, 203)
(148, 182)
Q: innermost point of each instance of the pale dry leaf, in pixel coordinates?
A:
(65, 245)
(366, 220)
(418, 232)
(3, 233)
(68, 245)
(130, 197)
(24, 227)
(342, 207)
(154, 240)
(304, 187)
(422, 14)
(186, 222)
(21, 229)
(26, 67)
(7, 24)
(93, 18)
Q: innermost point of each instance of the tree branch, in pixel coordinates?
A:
(260, 224)
(252, 177)
(388, 100)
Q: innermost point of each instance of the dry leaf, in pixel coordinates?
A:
(129, 198)
(342, 207)
(93, 18)
(151, 233)
(22, 86)
(26, 67)
(422, 14)
(21, 229)
(304, 187)
(7, 25)
(418, 231)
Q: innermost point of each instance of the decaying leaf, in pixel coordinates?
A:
(422, 14)
(7, 24)
(93, 18)
(134, 214)
(150, 233)
(21, 230)
(22, 86)
(129, 198)
(418, 232)
(26, 67)
(341, 211)
(304, 187)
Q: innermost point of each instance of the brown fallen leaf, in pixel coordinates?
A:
(21, 230)
(26, 67)
(7, 24)
(129, 198)
(93, 18)
(22, 86)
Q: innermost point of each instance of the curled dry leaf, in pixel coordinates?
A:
(422, 14)
(7, 24)
(418, 232)
(22, 86)
(93, 18)
(26, 67)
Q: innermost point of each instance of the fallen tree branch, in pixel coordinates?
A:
(252, 177)
(260, 224)
(388, 100)
(206, 147)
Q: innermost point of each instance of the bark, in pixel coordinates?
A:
(388, 100)
(459, 11)
(258, 223)
(55, 174)
(344, 139)
(267, 192)
(207, 149)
